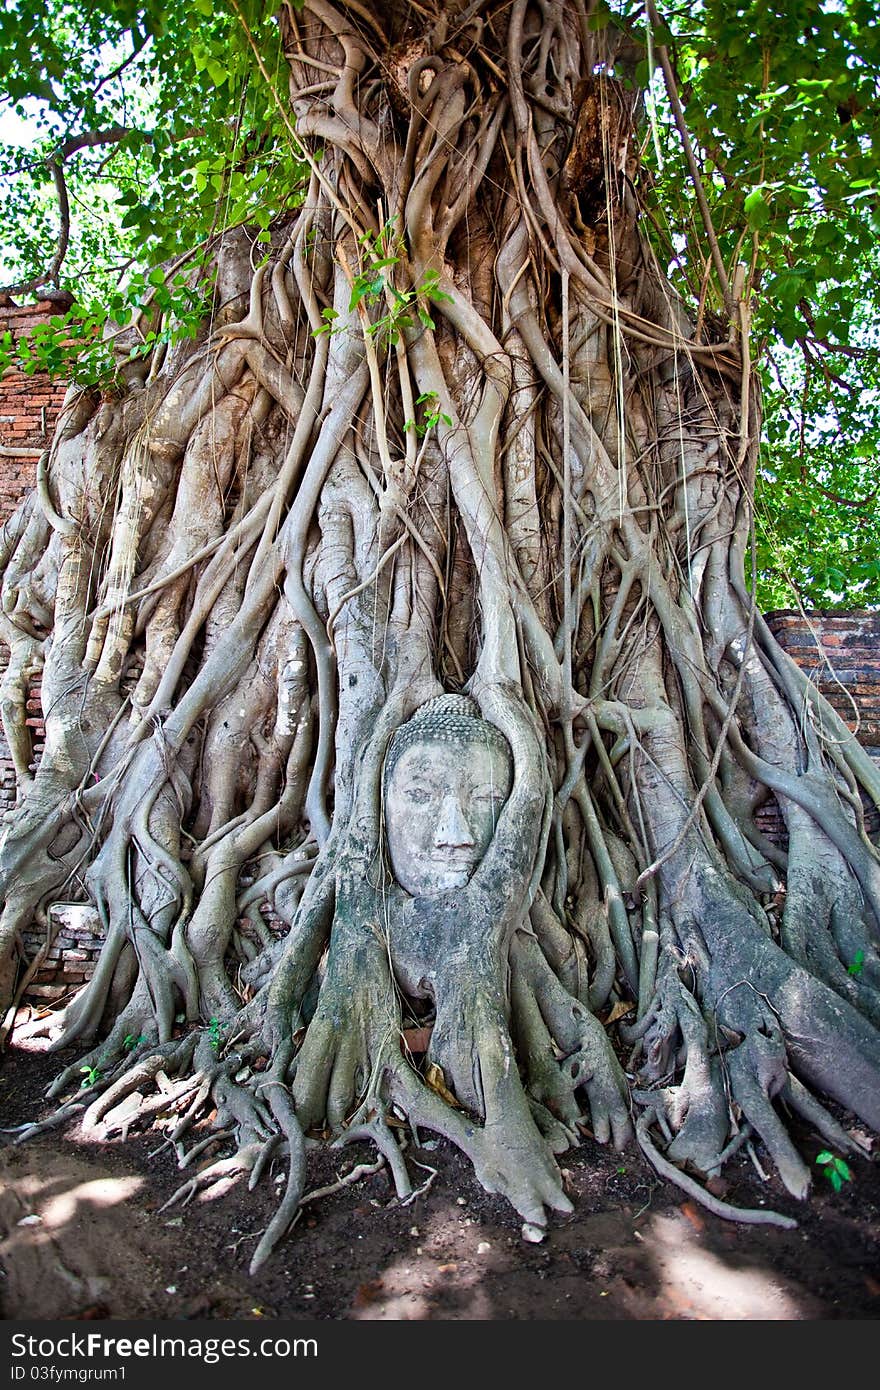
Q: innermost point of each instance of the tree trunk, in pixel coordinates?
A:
(403, 673)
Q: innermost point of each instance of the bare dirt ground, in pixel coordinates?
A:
(81, 1236)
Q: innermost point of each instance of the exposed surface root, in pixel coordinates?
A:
(748, 1216)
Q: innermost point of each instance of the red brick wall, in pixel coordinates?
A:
(29, 406)
(74, 945)
(841, 653)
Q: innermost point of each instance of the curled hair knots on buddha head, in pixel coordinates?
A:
(445, 719)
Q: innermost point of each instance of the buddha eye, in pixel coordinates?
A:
(488, 796)
(418, 796)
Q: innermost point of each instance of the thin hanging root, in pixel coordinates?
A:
(748, 1216)
(357, 1174)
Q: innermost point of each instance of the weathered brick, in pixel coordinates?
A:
(29, 406)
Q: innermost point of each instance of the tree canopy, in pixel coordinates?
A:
(153, 128)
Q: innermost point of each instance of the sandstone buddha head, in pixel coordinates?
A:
(447, 775)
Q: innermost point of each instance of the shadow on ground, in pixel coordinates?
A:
(82, 1236)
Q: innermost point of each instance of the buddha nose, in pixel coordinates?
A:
(453, 831)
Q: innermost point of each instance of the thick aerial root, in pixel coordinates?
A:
(587, 1060)
(738, 1056)
(756, 1070)
(829, 1044)
(82, 1016)
(509, 1156)
(551, 1096)
(239, 1107)
(282, 1109)
(374, 1129)
(805, 1105)
(354, 1033)
(699, 1106)
(141, 1073)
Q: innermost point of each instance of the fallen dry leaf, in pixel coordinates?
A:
(368, 1293)
(690, 1211)
(437, 1081)
(620, 1008)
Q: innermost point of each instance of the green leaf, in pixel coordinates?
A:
(329, 316)
(757, 211)
(360, 288)
(825, 1156)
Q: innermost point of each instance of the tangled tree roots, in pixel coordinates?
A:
(456, 431)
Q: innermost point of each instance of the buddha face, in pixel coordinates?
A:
(442, 802)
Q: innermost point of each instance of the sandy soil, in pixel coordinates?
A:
(81, 1236)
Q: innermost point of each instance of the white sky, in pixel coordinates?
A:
(13, 130)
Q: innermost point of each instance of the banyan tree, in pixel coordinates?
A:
(407, 708)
